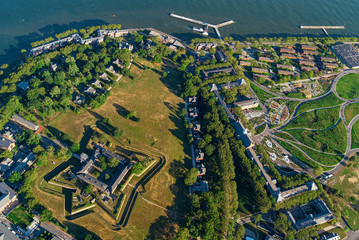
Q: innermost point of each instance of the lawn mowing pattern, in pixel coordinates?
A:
(351, 111)
(355, 135)
(20, 217)
(317, 119)
(348, 86)
(329, 101)
(261, 94)
(332, 140)
(298, 154)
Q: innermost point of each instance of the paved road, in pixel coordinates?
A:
(56, 231)
(270, 132)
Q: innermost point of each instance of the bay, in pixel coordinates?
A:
(24, 21)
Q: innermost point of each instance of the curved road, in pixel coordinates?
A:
(348, 127)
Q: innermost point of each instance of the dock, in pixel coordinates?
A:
(215, 26)
(324, 28)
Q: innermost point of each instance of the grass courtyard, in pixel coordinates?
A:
(157, 103)
(20, 217)
(348, 86)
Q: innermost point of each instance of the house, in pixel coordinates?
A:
(309, 186)
(284, 66)
(307, 69)
(245, 63)
(205, 46)
(307, 63)
(90, 90)
(96, 83)
(288, 56)
(197, 138)
(327, 59)
(104, 77)
(229, 85)
(201, 169)
(79, 99)
(308, 47)
(7, 234)
(126, 45)
(5, 165)
(120, 173)
(221, 56)
(118, 63)
(196, 127)
(192, 100)
(54, 66)
(308, 52)
(256, 75)
(265, 59)
(111, 69)
(193, 113)
(199, 186)
(259, 70)
(285, 72)
(8, 196)
(24, 85)
(6, 144)
(199, 154)
(208, 73)
(286, 50)
(313, 213)
(330, 236)
(24, 162)
(330, 65)
(25, 123)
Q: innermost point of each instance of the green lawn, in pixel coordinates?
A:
(20, 217)
(355, 135)
(317, 119)
(351, 111)
(328, 101)
(325, 159)
(348, 86)
(332, 140)
(298, 154)
(261, 94)
(292, 105)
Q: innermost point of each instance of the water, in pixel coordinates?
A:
(24, 21)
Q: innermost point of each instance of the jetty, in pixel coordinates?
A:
(324, 28)
(205, 24)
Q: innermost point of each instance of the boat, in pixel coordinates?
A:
(198, 29)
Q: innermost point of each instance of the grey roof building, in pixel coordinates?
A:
(310, 214)
(8, 195)
(6, 143)
(6, 234)
(26, 123)
(90, 90)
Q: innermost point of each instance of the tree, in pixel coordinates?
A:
(107, 176)
(118, 133)
(88, 189)
(75, 147)
(113, 162)
(183, 234)
(191, 177)
(15, 177)
(239, 234)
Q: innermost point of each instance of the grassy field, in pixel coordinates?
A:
(348, 86)
(351, 111)
(332, 140)
(261, 94)
(325, 159)
(157, 103)
(317, 119)
(292, 105)
(346, 181)
(20, 217)
(328, 101)
(355, 135)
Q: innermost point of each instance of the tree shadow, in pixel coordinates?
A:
(96, 115)
(162, 229)
(80, 232)
(123, 112)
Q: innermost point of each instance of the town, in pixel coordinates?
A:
(252, 139)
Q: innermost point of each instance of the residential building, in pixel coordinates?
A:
(285, 72)
(193, 113)
(327, 59)
(307, 69)
(245, 63)
(205, 46)
(24, 85)
(330, 65)
(199, 186)
(205, 74)
(221, 56)
(192, 100)
(308, 47)
(25, 123)
(54, 66)
(229, 85)
(267, 77)
(259, 70)
(201, 169)
(5, 165)
(8, 196)
(308, 52)
(307, 63)
(126, 45)
(7, 234)
(284, 66)
(286, 50)
(104, 77)
(96, 83)
(79, 99)
(265, 59)
(309, 186)
(247, 104)
(6, 144)
(199, 154)
(330, 236)
(90, 90)
(288, 56)
(196, 127)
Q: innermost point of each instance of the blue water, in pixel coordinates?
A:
(24, 21)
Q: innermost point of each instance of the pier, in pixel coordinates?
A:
(215, 26)
(324, 28)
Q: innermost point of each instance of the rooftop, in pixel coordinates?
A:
(348, 54)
